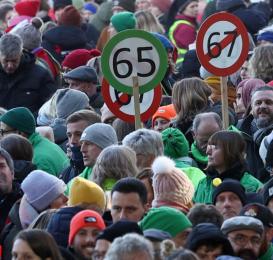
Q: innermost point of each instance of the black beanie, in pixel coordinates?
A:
(268, 192)
(231, 186)
(208, 233)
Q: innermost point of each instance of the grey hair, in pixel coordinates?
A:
(123, 248)
(145, 141)
(11, 45)
(204, 116)
(7, 157)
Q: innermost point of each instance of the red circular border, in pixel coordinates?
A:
(200, 37)
(105, 90)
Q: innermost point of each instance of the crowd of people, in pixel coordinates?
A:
(77, 182)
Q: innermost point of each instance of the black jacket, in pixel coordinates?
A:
(29, 86)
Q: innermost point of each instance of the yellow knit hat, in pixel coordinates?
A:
(85, 191)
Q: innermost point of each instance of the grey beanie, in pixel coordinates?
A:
(41, 189)
(8, 158)
(69, 101)
(242, 222)
(103, 135)
(225, 5)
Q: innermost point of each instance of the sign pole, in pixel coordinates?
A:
(136, 102)
(224, 99)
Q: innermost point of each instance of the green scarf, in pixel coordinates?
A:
(197, 155)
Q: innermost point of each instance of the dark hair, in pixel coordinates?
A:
(233, 146)
(18, 147)
(122, 128)
(131, 184)
(41, 243)
(91, 117)
(202, 213)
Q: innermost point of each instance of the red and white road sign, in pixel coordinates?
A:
(222, 44)
(122, 104)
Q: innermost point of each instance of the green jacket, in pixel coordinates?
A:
(205, 188)
(85, 174)
(48, 156)
(268, 254)
(194, 174)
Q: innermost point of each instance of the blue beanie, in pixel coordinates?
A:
(164, 40)
(266, 36)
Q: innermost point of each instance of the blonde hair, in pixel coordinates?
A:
(114, 162)
(190, 97)
(148, 22)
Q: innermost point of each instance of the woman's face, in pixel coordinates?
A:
(21, 250)
(192, 9)
(239, 108)
(216, 157)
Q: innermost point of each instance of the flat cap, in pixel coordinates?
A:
(242, 222)
(82, 73)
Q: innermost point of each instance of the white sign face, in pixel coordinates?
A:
(222, 44)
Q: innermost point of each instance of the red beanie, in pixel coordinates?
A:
(79, 58)
(70, 16)
(163, 5)
(166, 112)
(85, 218)
(27, 7)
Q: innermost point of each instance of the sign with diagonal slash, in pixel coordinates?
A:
(222, 44)
(122, 104)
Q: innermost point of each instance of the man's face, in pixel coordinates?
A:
(10, 64)
(245, 243)
(90, 153)
(228, 204)
(84, 241)
(209, 253)
(204, 131)
(262, 108)
(74, 132)
(127, 206)
(88, 88)
(6, 177)
(101, 249)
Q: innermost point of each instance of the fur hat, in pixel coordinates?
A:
(171, 185)
(85, 191)
(85, 218)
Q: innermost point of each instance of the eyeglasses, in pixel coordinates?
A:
(241, 240)
(5, 132)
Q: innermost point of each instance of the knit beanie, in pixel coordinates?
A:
(70, 16)
(263, 150)
(85, 191)
(79, 58)
(171, 185)
(175, 143)
(20, 118)
(225, 5)
(267, 192)
(41, 189)
(58, 4)
(69, 101)
(85, 218)
(164, 40)
(119, 229)
(166, 112)
(203, 233)
(231, 186)
(91, 7)
(166, 219)
(163, 6)
(27, 7)
(103, 135)
(127, 5)
(123, 21)
(30, 33)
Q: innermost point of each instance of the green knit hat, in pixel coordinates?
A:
(123, 21)
(175, 143)
(21, 119)
(165, 219)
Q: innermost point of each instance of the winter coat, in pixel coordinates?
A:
(10, 231)
(29, 86)
(6, 203)
(60, 40)
(48, 156)
(205, 187)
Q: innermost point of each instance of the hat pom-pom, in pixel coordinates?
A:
(216, 182)
(163, 164)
